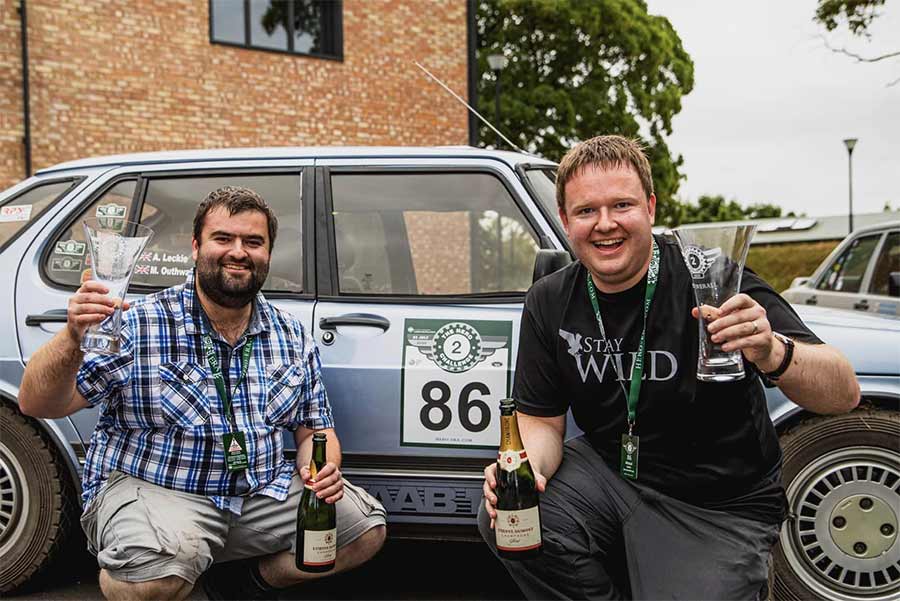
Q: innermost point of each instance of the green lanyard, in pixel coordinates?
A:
(213, 359)
(637, 371)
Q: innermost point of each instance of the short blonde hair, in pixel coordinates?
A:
(606, 152)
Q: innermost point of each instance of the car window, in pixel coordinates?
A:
(848, 269)
(429, 234)
(169, 208)
(543, 183)
(888, 262)
(69, 257)
(18, 212)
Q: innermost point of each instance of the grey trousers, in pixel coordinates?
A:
(607, 538)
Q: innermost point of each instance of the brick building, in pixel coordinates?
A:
(117, 76)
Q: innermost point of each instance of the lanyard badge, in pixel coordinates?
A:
(628, 456)
(234, 441)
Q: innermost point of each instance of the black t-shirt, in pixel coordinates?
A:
(707, 443)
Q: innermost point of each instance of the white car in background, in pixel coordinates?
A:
(862, 273)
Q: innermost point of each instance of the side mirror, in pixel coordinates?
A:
(547, 261)
(894, 284)
(799, 281)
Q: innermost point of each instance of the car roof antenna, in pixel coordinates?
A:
(468, 106)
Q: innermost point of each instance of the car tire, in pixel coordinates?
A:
(842, 477)
(38, 506)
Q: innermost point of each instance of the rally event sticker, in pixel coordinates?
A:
(15, 213)
(70, 247)
(454, 374)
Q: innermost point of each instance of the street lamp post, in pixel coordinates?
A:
(850, 143)
(497, 62)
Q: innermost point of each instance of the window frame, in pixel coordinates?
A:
(336, 22)
(867, 272)
(75, 181)
(522, 170)
(326, 246)
(143, 178)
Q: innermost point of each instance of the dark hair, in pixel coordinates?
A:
(606, 152)
(236, 200)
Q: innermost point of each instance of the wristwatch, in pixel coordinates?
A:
(785, 362)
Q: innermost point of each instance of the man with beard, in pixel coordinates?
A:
(186, 465)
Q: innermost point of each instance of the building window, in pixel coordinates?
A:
(310, 27)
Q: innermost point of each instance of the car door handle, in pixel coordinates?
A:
(812, 300)
(862, 305)
(354, 319)
(51, 316)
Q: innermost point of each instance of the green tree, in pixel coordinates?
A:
(578, 69)
(857, 15)
(764, 211)
(715, 208)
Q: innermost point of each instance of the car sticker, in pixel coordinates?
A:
(15, 213)
(70, 247)
(111, 210)
(65, 264)
(112, 216)
(454, 374)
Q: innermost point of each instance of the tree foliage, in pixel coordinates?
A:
(578, 69)
(307, 15)
(710, 209)
(858, 14)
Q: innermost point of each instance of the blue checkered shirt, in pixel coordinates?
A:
(161, 419)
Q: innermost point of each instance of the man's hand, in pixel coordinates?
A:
(490, 484)
(90, 305)
(328, 484)
(741, 324)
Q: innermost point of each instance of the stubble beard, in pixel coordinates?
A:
(225, 290)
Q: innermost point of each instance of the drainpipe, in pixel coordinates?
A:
(472, 56)
(26, 102)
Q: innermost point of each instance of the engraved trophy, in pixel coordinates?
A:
(715, 256)
(114, 245)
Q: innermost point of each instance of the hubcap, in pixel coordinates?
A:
(842, 540)
(13, 499)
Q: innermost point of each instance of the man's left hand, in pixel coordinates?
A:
(741, 324)
(328, 485)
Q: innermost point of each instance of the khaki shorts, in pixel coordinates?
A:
(140, 531)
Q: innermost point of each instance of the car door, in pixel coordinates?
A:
(422, 274)
(164, 198)
(842, 285)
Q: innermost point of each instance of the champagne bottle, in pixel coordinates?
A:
(316, 547)
(518, 523)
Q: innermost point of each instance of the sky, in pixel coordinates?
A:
(771, 106)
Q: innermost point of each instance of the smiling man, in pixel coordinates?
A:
(695, 514)
(186, 464)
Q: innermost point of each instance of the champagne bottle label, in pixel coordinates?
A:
(511, 460)
(319, 547)
(518, 530)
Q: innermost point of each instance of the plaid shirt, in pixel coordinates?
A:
(161, 419)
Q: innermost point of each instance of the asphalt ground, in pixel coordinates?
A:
(404, 569)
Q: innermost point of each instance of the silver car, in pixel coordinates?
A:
(409, 267)
(862, 273)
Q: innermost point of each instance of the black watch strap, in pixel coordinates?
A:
(786, 361)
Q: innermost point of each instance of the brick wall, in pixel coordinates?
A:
(114, 76)
(12, 156)
(440, 248)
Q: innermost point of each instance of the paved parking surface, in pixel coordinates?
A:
(403, 570)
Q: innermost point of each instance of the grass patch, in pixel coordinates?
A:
(778, 264)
